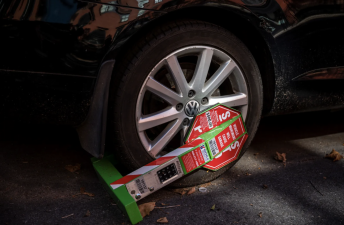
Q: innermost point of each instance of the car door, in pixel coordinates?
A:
(309, 52)
(51, 52)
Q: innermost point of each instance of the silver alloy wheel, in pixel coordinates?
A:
(199, 90)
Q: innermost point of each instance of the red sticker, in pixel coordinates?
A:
(195, 158)
(229, 155)
(210, 119)
(227, 136)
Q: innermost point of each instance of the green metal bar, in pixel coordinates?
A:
(107, 174)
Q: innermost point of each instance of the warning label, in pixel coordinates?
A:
(141, 185)
(213, 147)
(195, 158)
(227, 136)
(210, 119)
(210, 123)
(229, 155)
(204, 153)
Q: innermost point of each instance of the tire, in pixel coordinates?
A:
(139, 62)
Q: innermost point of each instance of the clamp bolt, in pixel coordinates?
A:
(138, 196)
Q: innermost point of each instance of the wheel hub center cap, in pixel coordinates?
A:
(192, 108)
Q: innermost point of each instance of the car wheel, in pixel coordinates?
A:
(170, 66)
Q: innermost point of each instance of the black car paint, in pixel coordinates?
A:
(52, 52)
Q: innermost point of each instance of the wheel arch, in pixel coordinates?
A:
(245, 27)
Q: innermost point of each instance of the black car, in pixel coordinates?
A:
(126, 73)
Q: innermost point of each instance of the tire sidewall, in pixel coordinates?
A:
(158, 49)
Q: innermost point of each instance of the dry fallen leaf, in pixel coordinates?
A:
(171, 206)
(146, 208)
(162, 220)
(334, 155)
(206, 184)
(325, 178)
(181, 191)
(248, 174)
(68, 216)
(88, 213)
(213, 207)
(265, 186)
(163, 204)
(72, 168)
(256, 154)
(260, 214)
(83, 192)
(191, 191)
(281, 157)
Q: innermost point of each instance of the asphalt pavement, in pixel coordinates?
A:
(35, 187)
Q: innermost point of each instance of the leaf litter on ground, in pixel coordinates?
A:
(183, 191)
(165, 207)
(83, 192)
(72, 168)
(146, 208)
(206, 184)
(68, 216)
(213, 207)
(191, 191)
(87, 214)
(282, 157)
(180, 191)
(162, 220)
(334, 155)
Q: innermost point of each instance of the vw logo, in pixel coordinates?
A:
(192, 108)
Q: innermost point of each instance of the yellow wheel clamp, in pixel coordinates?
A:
(215, 135)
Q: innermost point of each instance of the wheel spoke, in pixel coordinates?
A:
(217, 79)
(170, 118)
(157, 118)
(201, 71)
(184, 131)
(178, 75)
(165, 137)
(162, 91)
(238, 99)
(243, 110)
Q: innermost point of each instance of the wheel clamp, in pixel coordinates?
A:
(212, 133)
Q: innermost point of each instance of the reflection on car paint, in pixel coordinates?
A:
(73, 38)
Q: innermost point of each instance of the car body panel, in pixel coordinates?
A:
(52, 51)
